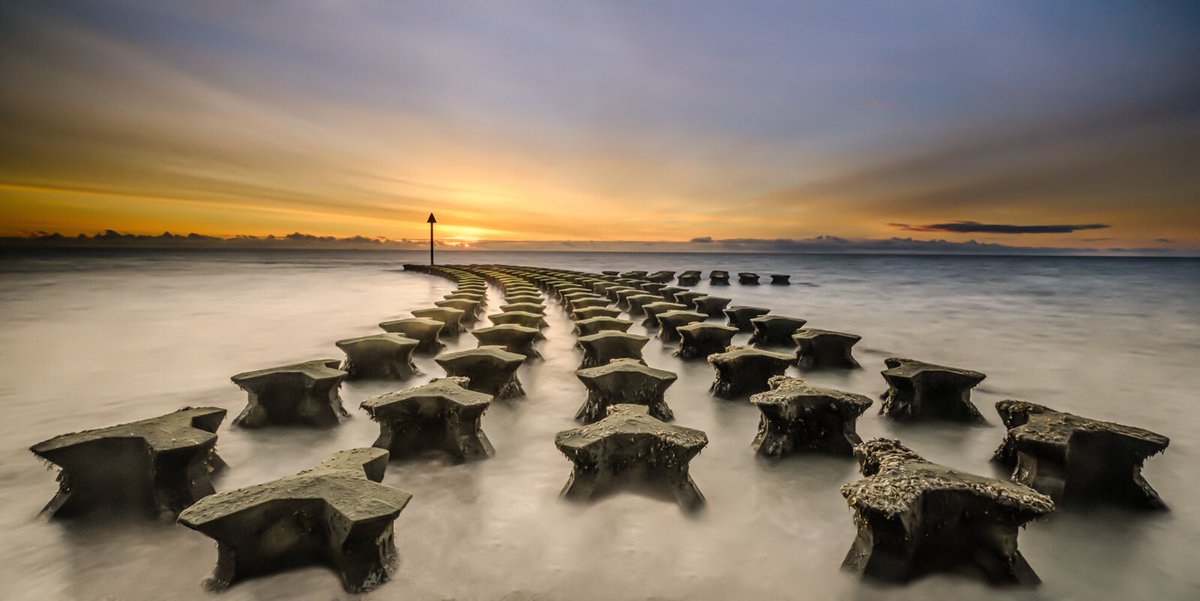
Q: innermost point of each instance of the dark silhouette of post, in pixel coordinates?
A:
(432, 220)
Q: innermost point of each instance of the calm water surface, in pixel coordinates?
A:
(94, 340)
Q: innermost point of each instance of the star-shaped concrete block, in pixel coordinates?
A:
(689, 278)
(816, 348)
(302, 393)
(619, 293)
(588, 302)
(425, 331)
(668, 293)
(442, 415)
(621, 382)
(634, 274)
(781, 279)
(797, 416)
(513, 338)
(916, 518)
(748, 278)
(472, 296)
(687, 296)
(1076, 459)
(712, 306)
(595, 325)
(157, 466)
(654, 288)
(379, 356)
(605, 346)
(718, 278)
(661, 277)
(630, 448)
(745, 370)
(450, 317)
(775, 330)
(739, 316)
(652, 310)
(918, 390)
(489, 369)
(590, 312)
(671, 321)
(336, 514)
(538, 308)
(637, 302)
(699, 340)
(469, 307)
(520, 318)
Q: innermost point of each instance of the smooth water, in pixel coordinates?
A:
(91, 340)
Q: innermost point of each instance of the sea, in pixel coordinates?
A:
(92, 339)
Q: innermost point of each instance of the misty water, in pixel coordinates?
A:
(91, 340)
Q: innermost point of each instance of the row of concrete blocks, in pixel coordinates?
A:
(692, 277)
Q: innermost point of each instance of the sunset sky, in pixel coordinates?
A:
(1030, 123)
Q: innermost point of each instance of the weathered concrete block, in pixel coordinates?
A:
(652, 310)
(652, 288)
(450, 317)
(520, 318)
(635, 303)
(739, 316)
(442, 415)
(689, 278)
(590, 312)
(585, 303)
(619, 293)
(918, 390)
(538, 308)
(524, 297)
(605, 346)
(624, 381)
(670, 322)
(745, 370)
(781, 279)
(595, 325)
(489, 369)
(303, 393)
(470, 296)
(470, 308)
(336, 514)
(712, 306)
(637, 275)
(629, 448)
(699, 340)
(668, 293)
(916, 518)
(718, 278)
(422, 329)
(748, 278)
(797, 416)
(513, 338)
(686, 297)
(379, 356)
(775, 329)
(156, 466)
(661, 277)
(611, 272)
(1075, 459)
(817, 348)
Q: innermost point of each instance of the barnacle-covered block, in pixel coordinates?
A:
(336, 514)
(303, 393)
(699, 340)
(422, 329)
(918, 390)
(629, 448)
(797, 417)
(817, 348)
(1076, 459)
(745, 370)
(379, 356)
(624, 381)
(488, 369)
(156, 466)
(775, 330)
(915, 518)
(605, 346)
(442, 416)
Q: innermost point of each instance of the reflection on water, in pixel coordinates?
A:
(93, 340)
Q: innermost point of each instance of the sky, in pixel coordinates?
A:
(1048, 123)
